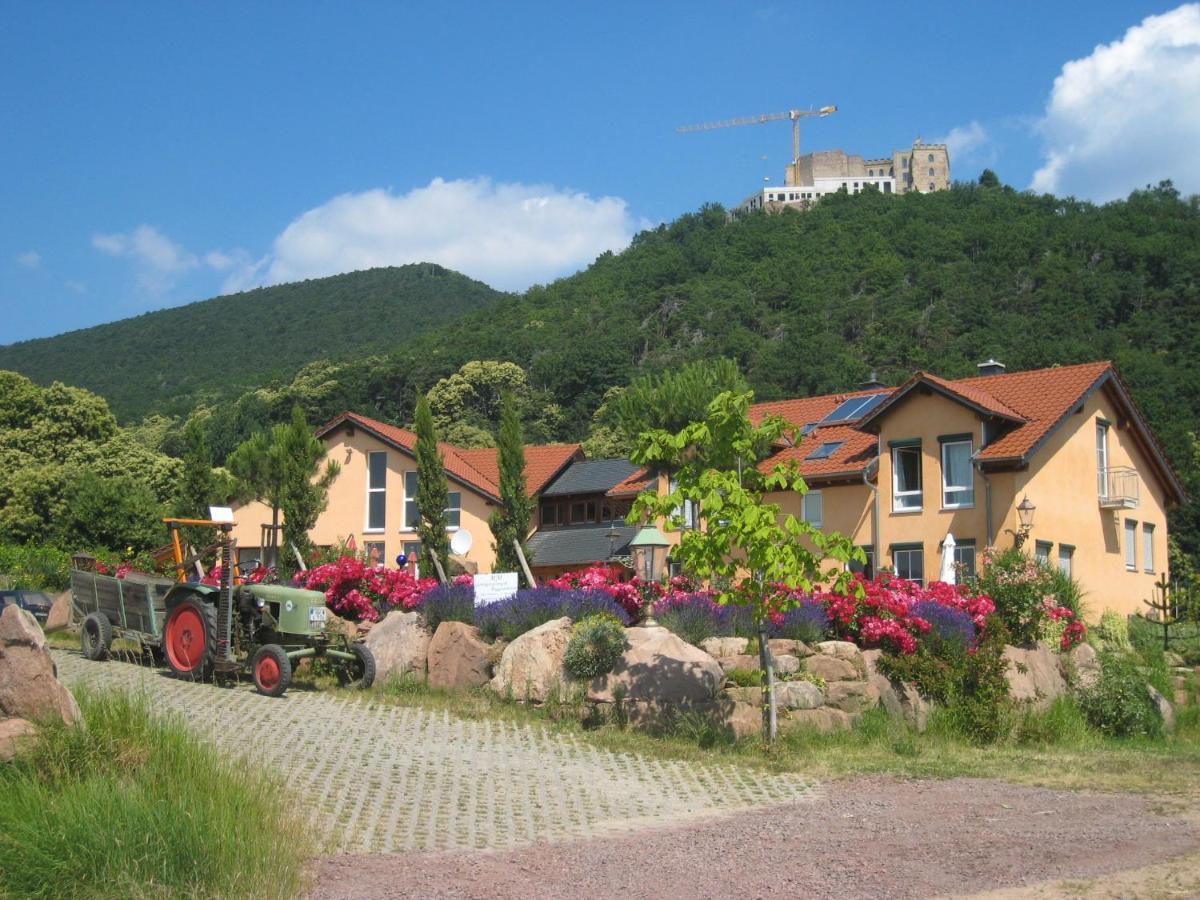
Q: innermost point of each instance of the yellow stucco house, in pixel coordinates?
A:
(373, 501)
(899, 469)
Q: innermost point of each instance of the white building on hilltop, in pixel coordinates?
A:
(922, 168)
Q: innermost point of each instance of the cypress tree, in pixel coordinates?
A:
(197, 486)
(433, 493)
(511, 518)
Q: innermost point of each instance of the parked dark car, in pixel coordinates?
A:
(35, 602)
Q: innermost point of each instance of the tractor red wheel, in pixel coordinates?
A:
(189, 638)
(272, 670)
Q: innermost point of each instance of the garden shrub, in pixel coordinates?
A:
(745, 677)
(808, 622)
(694, 617)
(448, 603)
(35, 567)
(358, 591)
(528, 609)
(1033, 598)
(948, 627)
(1119, 702)
(597, 642)
(1063, 722)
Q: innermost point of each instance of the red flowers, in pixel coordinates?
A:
(633, 595)
(356, 590)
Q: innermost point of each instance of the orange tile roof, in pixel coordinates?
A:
(478, 468)
(631, 486)
(849, 460)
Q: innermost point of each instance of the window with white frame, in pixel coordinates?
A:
(964, 558)
(411, 516)
(813, 509)
(909, 562)
(376, 491)
(1066, 559)
(1102, 456)
(1131, 544)
(688, 513)
(1041, 550)
(958, 478)
(454, 510)
(906, 477)
(1148, 547)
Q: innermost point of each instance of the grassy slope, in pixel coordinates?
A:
(168, 360)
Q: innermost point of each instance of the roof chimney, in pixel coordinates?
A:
(991, 367)
(872, 383)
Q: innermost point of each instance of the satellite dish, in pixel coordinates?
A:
(461, 543)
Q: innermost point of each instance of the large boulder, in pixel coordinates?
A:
(843, 650)
(531, 667)
(831, 668)
(852, 696)
(741, 661)
(1164, 707)
(744, 719)
(13, 734)
(824, 719)
(798, 695)
(29, 686)
(899, 698)
(458, 657)
(400, 645)
(661, 668)
(1034, 675)
(59, 616)
(1085, 665)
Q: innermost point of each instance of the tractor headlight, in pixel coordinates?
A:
(261, 603)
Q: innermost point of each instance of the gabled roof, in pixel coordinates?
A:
(633, 485)
(476, 468)
(968, 395)
(849, 460)
(590, 476)
(579, 545)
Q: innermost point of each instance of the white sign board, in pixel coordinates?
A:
(220, 514)
(497, 586)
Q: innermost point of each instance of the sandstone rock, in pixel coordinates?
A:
(14, 733)
(742, 661)
(1174, 660)
(852, 696)
(1034, 675)
(831, 668)
(753, 695)
(745, 719)
(825, 719)
(798, 695)
(458, 656)
(1086, 663)
(660, 667)
(786, 665)
(899, 698)
(782, 646)
(335, 624)
(400, 645)
(803, 649)
(1164, 707)
(719, 647)
(843, 650)
(60, 613)
(29, 688)
(531, 667)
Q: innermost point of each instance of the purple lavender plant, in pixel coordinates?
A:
(694, 617)
(448, 603)
(530, 608)
(808, 622)
(948, 626)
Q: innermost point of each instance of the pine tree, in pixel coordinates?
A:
(197, 485)
(433, 493)
(511, 519)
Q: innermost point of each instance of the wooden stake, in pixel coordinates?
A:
(299, 558)
(524, 565)
(437, 564)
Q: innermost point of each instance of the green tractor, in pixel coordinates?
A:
(263, 630)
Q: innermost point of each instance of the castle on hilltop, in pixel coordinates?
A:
(923, 168)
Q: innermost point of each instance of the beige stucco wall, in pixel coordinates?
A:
(346, 515)
(1062, 483)
(845, 509)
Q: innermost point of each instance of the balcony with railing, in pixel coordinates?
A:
(1119, 487)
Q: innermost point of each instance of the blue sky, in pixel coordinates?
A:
(154, 154)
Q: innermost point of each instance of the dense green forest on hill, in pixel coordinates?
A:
(804, 302)
(170, 360)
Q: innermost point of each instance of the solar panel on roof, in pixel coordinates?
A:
(854, 408)
(807, 429)
(826, 450)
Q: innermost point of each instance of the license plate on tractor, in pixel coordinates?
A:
(316, 615)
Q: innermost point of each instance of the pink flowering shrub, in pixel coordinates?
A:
(1034, 598)
(633, 595)
(883, 612)
(358, 591)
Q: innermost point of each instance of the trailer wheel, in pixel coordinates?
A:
(361, 672)
(190, 638)
(95, 636)
(272, 670)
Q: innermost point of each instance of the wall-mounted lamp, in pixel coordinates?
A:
(1025, 511)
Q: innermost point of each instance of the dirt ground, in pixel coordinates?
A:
(866, 837)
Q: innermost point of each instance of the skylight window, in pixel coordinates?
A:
(854, 408)
(826, 450)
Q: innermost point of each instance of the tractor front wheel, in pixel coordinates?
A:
(359, 673)
(95, 636)
(272, 670)
(190, 638)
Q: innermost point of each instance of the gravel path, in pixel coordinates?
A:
(873, 837)
(382, 778)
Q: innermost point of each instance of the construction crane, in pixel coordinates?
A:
(794, 114)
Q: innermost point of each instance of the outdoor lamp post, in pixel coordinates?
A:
(1025, 511)
(645, 543)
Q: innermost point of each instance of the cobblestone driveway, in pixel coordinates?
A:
(383, 777)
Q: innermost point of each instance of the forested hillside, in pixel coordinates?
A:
(172, 359)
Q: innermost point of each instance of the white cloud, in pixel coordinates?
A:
(968, 144)
(78, 287)
(30, 259)
(160, 260)
(1127, 115)
(507, 235)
